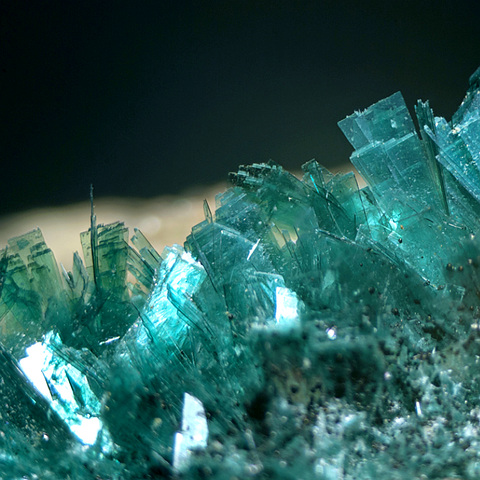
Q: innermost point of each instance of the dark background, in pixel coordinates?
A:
(149, 97)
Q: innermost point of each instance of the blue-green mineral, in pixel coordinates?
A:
(307, 329)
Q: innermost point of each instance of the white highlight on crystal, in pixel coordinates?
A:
(31, 365)
(418, 408)
(87, 430)
(253, 249)
(110, 340)
(187, 256)
(47, 373)
(286, 305)
(194, 432)
(331, 333)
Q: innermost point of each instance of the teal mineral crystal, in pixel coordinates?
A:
(307, 329)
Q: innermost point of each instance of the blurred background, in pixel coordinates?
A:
(149, 99)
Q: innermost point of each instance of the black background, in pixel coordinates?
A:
(149, 97)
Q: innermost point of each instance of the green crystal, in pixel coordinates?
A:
(307, 329)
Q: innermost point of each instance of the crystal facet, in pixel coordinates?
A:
(194, 433)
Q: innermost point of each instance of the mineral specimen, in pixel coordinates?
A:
(308, 329)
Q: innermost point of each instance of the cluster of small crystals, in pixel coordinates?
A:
(308, 329)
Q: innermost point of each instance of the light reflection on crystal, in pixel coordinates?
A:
(31, 365)
(286, 306)
(55, 380)
(253, 249)
(331, 333)
(194, 433)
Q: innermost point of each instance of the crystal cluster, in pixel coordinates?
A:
(308, 329)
